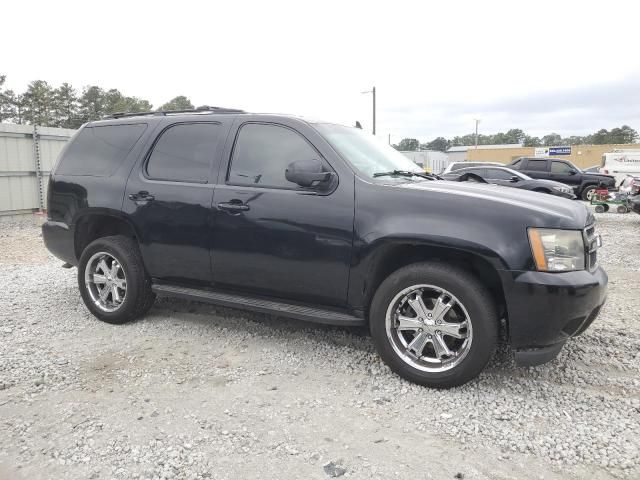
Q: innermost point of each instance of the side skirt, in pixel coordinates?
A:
(256, 304)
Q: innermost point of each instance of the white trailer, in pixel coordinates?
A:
(621, 163)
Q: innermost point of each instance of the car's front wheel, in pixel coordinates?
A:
(112, 280)
(588, 192)
(434, 324)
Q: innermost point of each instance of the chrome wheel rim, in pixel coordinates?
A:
(106, 281)
(590, 193)
(429, 328)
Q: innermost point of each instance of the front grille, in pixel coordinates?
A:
(592, 243)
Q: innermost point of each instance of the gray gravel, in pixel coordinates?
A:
(194, 391)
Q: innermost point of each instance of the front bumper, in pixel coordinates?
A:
(545, 309)
(59, 239)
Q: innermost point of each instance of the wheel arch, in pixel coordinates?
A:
(94, 224)
(390, 257)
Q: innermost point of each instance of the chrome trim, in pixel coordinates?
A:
(592, 242)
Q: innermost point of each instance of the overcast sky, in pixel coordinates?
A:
(542, 66)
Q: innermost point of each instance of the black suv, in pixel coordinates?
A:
(323, 223)
(563, 171)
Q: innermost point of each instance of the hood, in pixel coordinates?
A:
(569, 213)
(599, 175)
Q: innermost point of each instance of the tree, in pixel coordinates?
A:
(624, 134)
(65, 107)
(551, 140)
(531, 141)
(4, 100)
(600, 137)
(38, 101)
(91, 104)
(178, 103)
(441, 144)
(408, 144)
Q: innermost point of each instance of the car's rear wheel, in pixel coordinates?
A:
(434, 324)
(112, 280)
(588, 192)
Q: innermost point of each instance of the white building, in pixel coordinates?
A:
(459, 154)
(431, 160)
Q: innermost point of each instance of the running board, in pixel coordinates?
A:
(309, 314)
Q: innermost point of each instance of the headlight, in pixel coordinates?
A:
(557, 250)
(562, 189)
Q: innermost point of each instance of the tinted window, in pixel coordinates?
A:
(497, 174)
(263, 152)
(99, 151)
(560, 167)
(184, 152)
(516, 165)
(538, 165)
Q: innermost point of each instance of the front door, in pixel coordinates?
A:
(273, 237)
(168, 198)
(564, 172)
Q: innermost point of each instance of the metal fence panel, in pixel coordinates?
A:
(27, 155)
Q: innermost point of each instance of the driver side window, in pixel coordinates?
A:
(560, 167)
(262, 153)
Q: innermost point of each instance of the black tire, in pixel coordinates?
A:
(469, 291)
(606, 207)
(622, 209)
(139, 298)
(600, 208)
(586, 191)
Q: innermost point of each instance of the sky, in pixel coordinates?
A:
(570, 67)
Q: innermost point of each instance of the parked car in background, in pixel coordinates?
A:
(584, 184)
(630, 185)
(512, 178)
(621, 163)
(458, 165)
(322, 223)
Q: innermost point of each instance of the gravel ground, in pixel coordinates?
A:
(194, 391)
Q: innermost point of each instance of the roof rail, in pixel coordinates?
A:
(201, 109)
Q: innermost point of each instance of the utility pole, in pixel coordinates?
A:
(477, 120)
(373, 91)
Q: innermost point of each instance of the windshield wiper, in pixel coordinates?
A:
(407, 173)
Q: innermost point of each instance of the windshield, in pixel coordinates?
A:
(366, 153)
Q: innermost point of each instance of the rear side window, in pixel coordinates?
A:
(263, 152)
(99, 151)
(184, 153)
(497, 174)
(516, 165)
(537, 165)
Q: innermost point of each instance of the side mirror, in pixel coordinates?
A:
(307, 173)
(514, 179)
(572, 172)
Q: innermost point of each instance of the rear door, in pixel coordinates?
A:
(536, 168)
(273, 237)
(168, 198)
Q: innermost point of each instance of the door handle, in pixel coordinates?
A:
(142, 197)
(233, 207)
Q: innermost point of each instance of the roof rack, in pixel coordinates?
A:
(201, 109)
